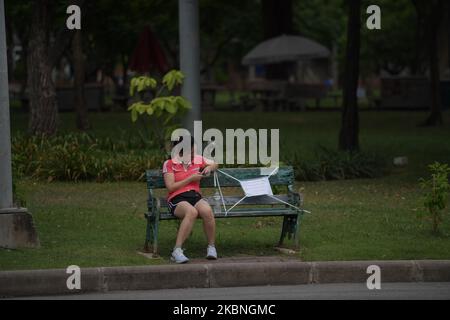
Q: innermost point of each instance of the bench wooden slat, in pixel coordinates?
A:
(240, 213)
(231, 200)
(285, 176)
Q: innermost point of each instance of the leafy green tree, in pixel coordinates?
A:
(228, 30)
(394, 48)
(44, 39)
(321, 20)
(163, 109)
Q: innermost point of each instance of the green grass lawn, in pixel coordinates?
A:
(102, 224)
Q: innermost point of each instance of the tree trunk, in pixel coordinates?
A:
(277, 20)
(79, 75)
(348, 138)
(42, 94)
(435, 117)
(418, 66)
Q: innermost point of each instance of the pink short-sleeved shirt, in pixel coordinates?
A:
(181, 173)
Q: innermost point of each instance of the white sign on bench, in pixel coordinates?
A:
(256, 187)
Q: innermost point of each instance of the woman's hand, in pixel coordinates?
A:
(211, 166)
(195, 177)
(207, 171)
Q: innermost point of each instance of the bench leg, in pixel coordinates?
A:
(284, 230)
(148, 236)
(151, 238)
(297, 230)
(155, 237)
(291, 228)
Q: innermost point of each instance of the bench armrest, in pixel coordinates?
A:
(296, 197)
(158, 204)
(155, 208)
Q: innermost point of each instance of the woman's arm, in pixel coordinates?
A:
(210, 166)
(171, 185)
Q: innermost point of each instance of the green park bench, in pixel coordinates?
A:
(258, 206)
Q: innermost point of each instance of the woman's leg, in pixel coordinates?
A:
(187, 213)
(209, 223)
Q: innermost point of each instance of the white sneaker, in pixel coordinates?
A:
(178, 256)
(211, 253)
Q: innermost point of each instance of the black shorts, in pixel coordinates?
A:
(190, 196)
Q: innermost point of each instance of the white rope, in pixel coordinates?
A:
(287, 203)
(234, 205)
(217, 184)
(274, 171)
(228, 175)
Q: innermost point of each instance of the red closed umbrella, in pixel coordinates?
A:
(148, 55)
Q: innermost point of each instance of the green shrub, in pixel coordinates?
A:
(82, 157)
(337, 165)
(437, 189)
(76, 157)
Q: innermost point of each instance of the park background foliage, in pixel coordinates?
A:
(84, 157)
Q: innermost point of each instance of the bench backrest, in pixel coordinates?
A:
(284, 177)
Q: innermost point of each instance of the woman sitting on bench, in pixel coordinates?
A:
(182, 179)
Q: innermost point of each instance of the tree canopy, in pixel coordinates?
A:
(229, 29)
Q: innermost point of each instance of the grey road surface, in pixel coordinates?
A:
(390, 291)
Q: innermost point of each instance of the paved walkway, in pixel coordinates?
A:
(418, 290)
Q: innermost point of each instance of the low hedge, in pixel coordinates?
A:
(81, 157)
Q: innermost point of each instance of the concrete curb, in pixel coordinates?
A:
(53, 282)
